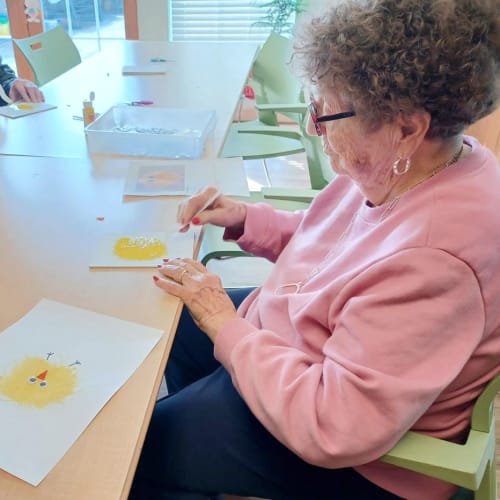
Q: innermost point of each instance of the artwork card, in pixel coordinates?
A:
(58, 368)
(185, 177)
(151, 179)
(141, 249)
(19, 109)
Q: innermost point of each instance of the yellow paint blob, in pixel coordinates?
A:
(23, 105)
(140, 248)
(38, 382)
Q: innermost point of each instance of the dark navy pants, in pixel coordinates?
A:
(203, 440)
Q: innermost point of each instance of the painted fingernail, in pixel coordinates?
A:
(166, 260)
(155, 278)
(195, 221)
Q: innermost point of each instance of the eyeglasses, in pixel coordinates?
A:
(313, 112)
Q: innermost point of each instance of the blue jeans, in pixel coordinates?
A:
(203, 440)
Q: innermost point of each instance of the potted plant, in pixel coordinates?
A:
(280, 15)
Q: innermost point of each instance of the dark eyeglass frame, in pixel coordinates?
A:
(313, 112)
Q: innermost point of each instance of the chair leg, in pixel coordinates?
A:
(266, 172)
(488, 487)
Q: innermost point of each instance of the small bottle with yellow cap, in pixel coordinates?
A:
(88, 112)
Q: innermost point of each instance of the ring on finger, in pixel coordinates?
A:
(184, 271)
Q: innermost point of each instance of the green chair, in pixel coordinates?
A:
(470, 466)
(49, 54)
(273, 84)
(272, 80)
(318, 164)
(278, 92)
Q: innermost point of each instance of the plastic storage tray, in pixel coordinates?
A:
(150, 131)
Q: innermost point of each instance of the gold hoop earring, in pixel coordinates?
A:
(395, 167)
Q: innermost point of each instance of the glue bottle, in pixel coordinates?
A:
(88, 112)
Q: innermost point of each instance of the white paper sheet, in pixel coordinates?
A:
(23, 109)
(164, 177)
(156, 68)
(58, 368)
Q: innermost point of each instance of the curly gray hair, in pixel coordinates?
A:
(392, 56)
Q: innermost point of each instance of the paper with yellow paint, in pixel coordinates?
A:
(58, 368)
(19, 109)
(146, 249)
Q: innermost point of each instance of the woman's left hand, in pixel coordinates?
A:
(26, 91)
(201, 291)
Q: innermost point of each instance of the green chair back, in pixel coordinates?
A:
(472, 465)
(278, 91)
(272, 80)
(273, 85)
(49, 54)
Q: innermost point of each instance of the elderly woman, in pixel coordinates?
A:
(382, 312)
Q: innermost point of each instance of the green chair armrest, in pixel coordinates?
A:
(267, 142)
(463, 465)
(258, 128)
(298, 107)
(214, 247)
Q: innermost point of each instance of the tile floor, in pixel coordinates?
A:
(286, 171)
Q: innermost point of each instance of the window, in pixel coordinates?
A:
(223, 20)
(91, 23)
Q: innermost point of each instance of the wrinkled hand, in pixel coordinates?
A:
(201, 291)
(223, 212)
(26, 91)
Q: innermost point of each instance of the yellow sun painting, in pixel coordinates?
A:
(39, 382)
(140, 248)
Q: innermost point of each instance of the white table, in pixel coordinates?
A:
(203, 76)
(52, 195)
(49, 226)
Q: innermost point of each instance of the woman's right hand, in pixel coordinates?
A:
(223, 212)
(25, 91)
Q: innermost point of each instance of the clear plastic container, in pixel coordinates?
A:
(151, 131)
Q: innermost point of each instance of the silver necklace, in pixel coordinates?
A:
(294, 288)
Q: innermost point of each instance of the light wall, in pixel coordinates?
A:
(152, 19)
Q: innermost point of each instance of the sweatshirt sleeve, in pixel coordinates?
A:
(400, 332)
(7, 76)
(267, 230)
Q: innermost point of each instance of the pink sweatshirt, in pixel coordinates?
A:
(396, 324)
